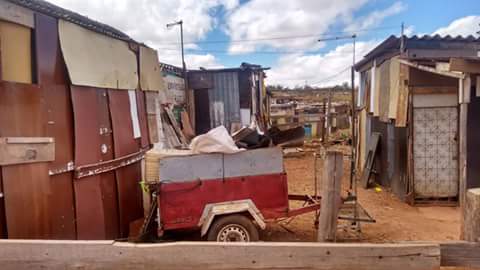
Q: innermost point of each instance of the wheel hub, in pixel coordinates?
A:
(233, 233)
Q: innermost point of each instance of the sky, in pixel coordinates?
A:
(280, 34)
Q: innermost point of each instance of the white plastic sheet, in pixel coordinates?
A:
(216, 140)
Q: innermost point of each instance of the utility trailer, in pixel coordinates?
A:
(226, 197)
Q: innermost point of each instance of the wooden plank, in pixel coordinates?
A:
(471, 216)
(384, 91)
(371, 152)
(464, 65)
(331, 200)
(16, 52)
(210, 255)
(432, 70)
(19, 150)
(460, 254)
(403, 92)
(427, 90)
(394, 88)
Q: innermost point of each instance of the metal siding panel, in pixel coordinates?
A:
(254, 162)
(124, 143)
(225, 91)
(60, 126)
(3, 220)
(110, 205)
(62, 203)
(89, 209)
(27, 206)
(49, 61)
(87, 126)
(190, 168)
(127, 178)
(129, 196)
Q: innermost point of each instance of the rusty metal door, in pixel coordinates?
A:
(435, 152)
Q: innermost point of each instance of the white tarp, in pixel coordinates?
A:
(96, 60)
(217, 140)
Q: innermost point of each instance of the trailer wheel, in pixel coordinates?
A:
(233, 228)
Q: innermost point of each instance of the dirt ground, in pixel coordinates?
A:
(395, 220)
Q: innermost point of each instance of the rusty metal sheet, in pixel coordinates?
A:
(60, 124)
(25, 187)
(142, 118)
(124, 142)
(129, 196)
(3, 221)
(97, 207)
(62, 208)
(96, 196)
(27, 117)
(110, 205)
(89, 208)
(49, 61)
(87, 126)
(128, 178)
(28, 209)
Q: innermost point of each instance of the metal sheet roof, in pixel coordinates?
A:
(55, 11)
(392, 44)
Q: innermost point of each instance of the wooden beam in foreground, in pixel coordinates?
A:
(31, 254)
(460, 254)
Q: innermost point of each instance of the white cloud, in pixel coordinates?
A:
(465, 26)
(258, 19)
(319, 69)
(193, 61)
(376, 17)
(145, 20)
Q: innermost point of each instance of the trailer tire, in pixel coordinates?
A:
(233, 228)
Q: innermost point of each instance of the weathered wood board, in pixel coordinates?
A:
(209, 255)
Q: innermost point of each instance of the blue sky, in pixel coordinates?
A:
(225, 33)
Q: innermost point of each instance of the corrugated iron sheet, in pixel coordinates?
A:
(224, 99)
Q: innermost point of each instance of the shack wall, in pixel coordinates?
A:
(473, 142)
(77, 195)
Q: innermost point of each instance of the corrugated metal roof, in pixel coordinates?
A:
(392, 43)
(50, 9)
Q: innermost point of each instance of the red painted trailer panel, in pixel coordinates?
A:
(182, 203)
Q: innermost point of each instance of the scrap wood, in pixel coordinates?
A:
(174, 124)
(371, 152)
(187, 127)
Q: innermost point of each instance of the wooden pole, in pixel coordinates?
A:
(330, 192)
(471, 216)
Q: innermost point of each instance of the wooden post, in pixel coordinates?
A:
(330, 192)
(471, 216)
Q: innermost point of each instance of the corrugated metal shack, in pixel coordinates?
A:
(73, 124)
(409, 94)
(232, 97)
